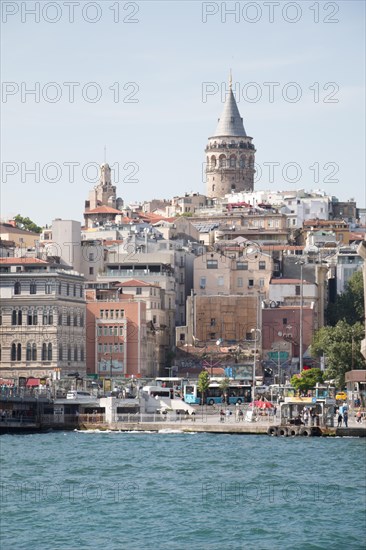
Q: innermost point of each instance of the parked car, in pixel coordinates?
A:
(341, 396)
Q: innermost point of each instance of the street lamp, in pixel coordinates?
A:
(301, 263)
(255, 330)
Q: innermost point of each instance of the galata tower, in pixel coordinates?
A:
(229, 153)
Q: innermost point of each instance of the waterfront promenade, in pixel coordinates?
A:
(202, 423)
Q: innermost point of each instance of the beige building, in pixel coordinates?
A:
(233, 270)
(21, 238)
(42, 319)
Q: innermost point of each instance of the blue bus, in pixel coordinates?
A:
(236, 393)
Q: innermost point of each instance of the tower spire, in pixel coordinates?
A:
(230, 80)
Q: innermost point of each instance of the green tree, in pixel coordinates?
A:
(307, 379)
(348, 306)
(341, 346)
(27, 224)
(203, 384)
(224, 385)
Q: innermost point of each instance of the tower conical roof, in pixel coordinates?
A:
(230, 123)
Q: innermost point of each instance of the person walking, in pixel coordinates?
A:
(222, 415)
(359, 416)
(340, 418)
(345, 418)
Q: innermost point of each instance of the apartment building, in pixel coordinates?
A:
(42, 319)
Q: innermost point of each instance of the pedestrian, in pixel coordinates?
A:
(227, 413)
(340, 418)
(237, 411)
(359, 416)
(306, 417)
(222, 415)
(345, 418)
(241, 415)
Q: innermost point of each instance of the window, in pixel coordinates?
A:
(14, 317)
(60, 318)
(105, 331)
(139, 290)
(75, 320)
(91, 270)
(81, 291)
(68, 320)
(17, 288)
(102, 313)
(74, 290)
(100, 348)
(297, 290)
(122, 311)
(75, 353)
(44, 352)
(32, 318)
(81, 319)
(82, 353)
(112, 313)
(48, 288)
(213, 322)
(121, 348)
(203, 282)
(212, 264)
(49, 352)
(33, 288)
(220, 280)
(242, 265)
(28, 353)
(67, 289)
(16, 352)
(261, 283)
(284, 321)
(59, 288)
(121, 331)
(240, 282)
(91, 257)
(251, 282)
(69, 353)
(262, 265)
(60, 352)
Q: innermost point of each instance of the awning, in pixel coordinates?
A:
(33, 382)
(4, 382)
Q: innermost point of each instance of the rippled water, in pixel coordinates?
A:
(66, 491)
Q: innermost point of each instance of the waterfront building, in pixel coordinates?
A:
(117, 342)
(42, 319)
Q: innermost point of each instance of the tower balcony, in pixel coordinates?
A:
(233, 146)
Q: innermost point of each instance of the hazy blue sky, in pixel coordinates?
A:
(156, 130)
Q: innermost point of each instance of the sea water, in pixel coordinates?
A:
(116, 491)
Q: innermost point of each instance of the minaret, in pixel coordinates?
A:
(229, 153)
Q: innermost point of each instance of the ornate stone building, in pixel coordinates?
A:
(230, 154)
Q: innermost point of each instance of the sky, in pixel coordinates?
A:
(142, 84)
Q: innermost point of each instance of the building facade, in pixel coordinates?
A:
(42, 319)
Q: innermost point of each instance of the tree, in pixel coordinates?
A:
(27, 224)
(348, 306)
(341, 346)
(307, 379)
(203, 384)
(224, 385)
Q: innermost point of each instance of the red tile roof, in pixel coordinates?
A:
(103, 210)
